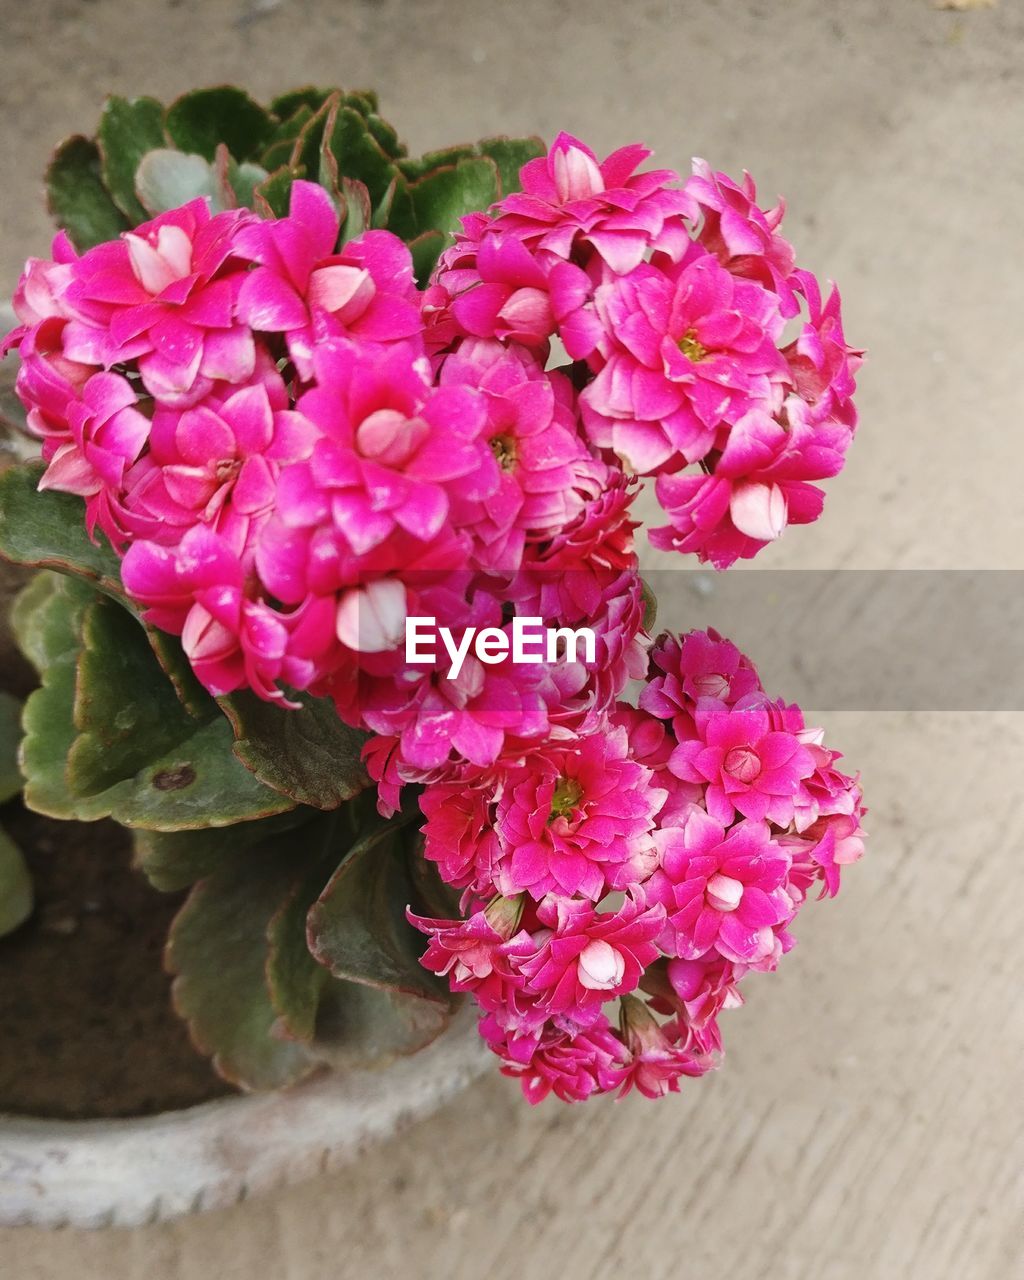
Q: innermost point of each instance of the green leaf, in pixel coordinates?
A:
(446, 195)
(218, 951)
(46, 530)
(10, 736)
(272, 196)
(359, 1026)
(306, 151)
(124, 711)
(77, 198)
(357, 927)
(295, 980)
(419, 166)
(15, 886)
(310, 754)
(510, 154)
(173, 860)
(357, 213)
(183, 778)
(29, 618)
(286, 105)
(166, 179)
(128, 129)
(244, 179)
(425, 250)
(395, 211)
(178, 670)
(349, 150)
(198, 121)
(385, 135)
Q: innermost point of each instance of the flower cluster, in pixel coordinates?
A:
(676, 301)
(657, 863)
(294, 449)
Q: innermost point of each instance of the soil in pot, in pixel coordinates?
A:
(86, 1024)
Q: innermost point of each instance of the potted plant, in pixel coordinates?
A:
(335, 601)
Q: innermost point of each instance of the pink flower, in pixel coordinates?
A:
(722, 889)
(444, 722)
(741, 235)
(576, 819)
(48, 384)
(459, 834)
(571, 202)
(164, 296)
(589, 956)
(600, 537)
(751, 767)
(197, 590)
(496, 280)
(574, 1065)
(478, 955)
(301, 287)
(651, 745)
(40, 291)
(489, 287)
(702, 989)
(544, 472)
(831, 842)
(698, 665)
(374, 494)
(721, 522)
(759, 482)
(692, 350)
(107, 433)
(217, 463)
(659, 1055)
(608, 602)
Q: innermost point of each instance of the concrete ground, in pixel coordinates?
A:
(867, 1122)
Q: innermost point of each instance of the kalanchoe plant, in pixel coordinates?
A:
(297, 413)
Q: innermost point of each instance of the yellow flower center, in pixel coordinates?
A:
(564, 799)
(691, 348)
(504, 450)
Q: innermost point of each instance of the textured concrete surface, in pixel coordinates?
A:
(867, 1122)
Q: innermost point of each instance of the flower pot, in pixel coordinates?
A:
(100, 1173)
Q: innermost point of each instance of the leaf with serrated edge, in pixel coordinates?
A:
(357, 154)
(270, 199)
(359, 1026)
(127, 130)
(510, 154)
(173, 860)
(199, 120)
(217, 950)
(310, 754)
(445, 196)
(28, 616)
(77, 198)
(196, 783)
(46, 530)
(294, 979)
(358, 928)
(125, 711)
